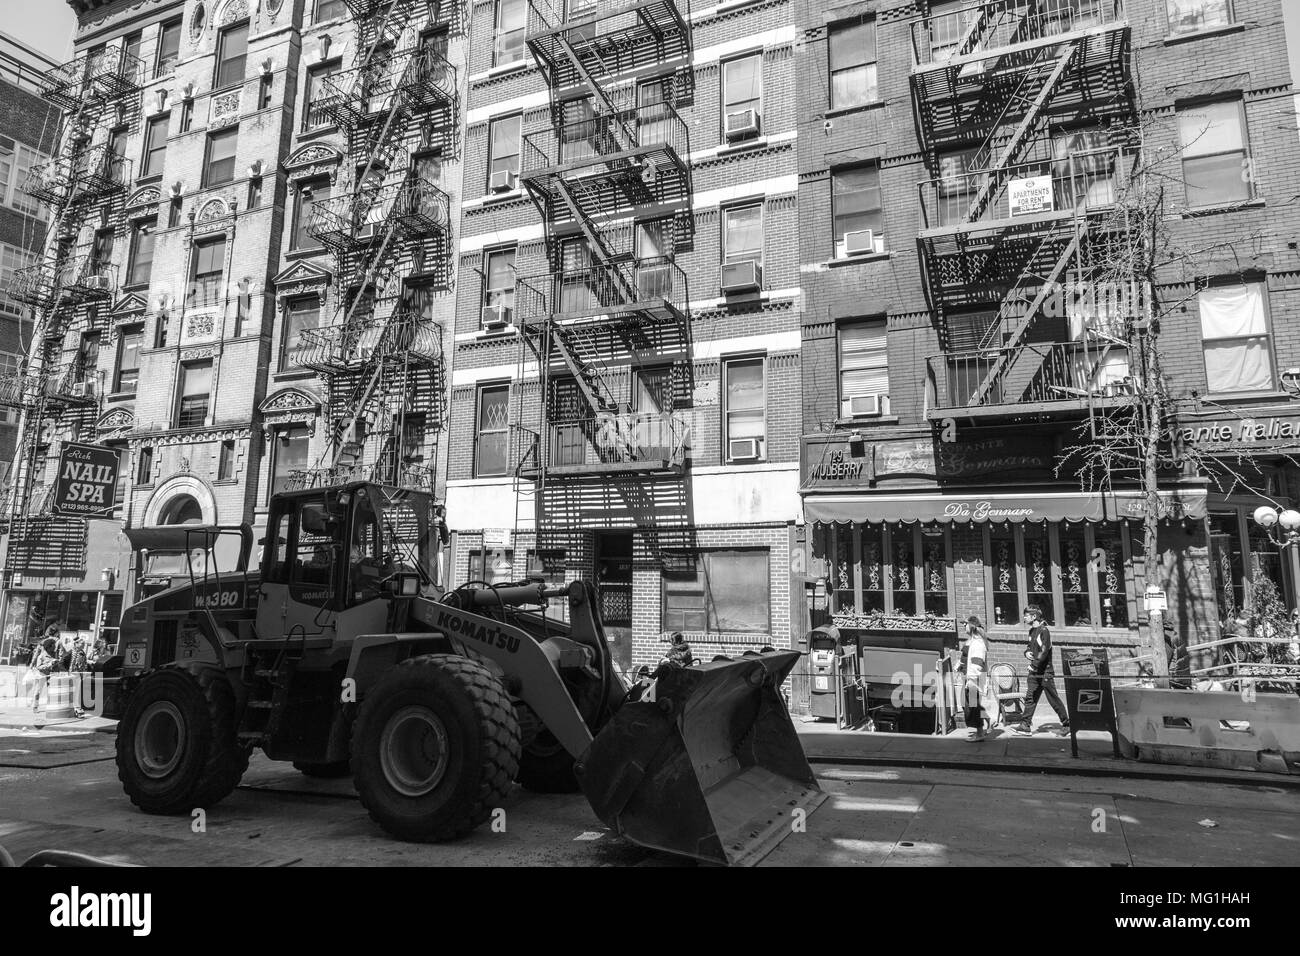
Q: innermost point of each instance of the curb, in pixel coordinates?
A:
(1089, 769)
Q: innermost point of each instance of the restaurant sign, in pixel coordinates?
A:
(842, 464)
(1243, 434)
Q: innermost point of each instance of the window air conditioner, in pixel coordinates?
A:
(743, 276)
(498, 316)
(859, 243)
(97, 281)
(83, 389)
(866, 406)
(740, 124)
(503, 180)
(742, 449)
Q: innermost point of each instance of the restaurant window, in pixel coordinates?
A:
(853, 64)
(142, 242)
(493, 431)
(894, 569)
(300, 316)
(288, 454)
(195, 391)
(745, 412)
(169, 48)
(232, 53)
(155, 145)
(864, 369)
(313, 117)
(495, 566)
(726, 592)
(503, 146)
(206, 272)
(857, 213)
(219, 161)
(1213, 138)
(1189, 16)
(1235, 338)
(307, 197)
(226, 460)
(511, 23)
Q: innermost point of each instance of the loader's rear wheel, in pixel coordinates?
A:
(325, 771)
(435, 748)
(546, 767)
(176, 744)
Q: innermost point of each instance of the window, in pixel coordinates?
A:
(16, 161)
(499, 281)
(195, 390)
(503, 145)
(142, 241)
(745, 410)
(316, 90)
(131, 46)
(856, 208)
(101, 251)
(853, 64)
(492, 452)
(511, 21)
(169, 48)
(742, 234)
(288, 454)
(226, 460)
(1213, 137)
(11, 260)
(1235, 338)
(1188, 16)
(187, 115)
(243, 304)
(725, 592)
(219, 164)
(174, 213)
(264, 88)
(301, 315)
(495, 567)
(232, 52)
(144, 467)
(207, 271)
(161, 326)
(329, 10)
(127, 374)
(254, 192)
(306, 197)
(155, 145)
(742, 87)
(864, 367)
(886, 568)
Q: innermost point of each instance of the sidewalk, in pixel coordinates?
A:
(16, 714)
(1044, 752)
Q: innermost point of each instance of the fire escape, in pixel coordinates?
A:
(1025, 112)
(387, 227)
(609, 323)
(58, 390)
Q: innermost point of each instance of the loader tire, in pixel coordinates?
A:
(435, 748)
(546, 767)
(324, 771)
(176, 745)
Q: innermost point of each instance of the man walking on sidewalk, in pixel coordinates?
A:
(1042, 675)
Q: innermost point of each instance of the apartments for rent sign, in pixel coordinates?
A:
(86, 481)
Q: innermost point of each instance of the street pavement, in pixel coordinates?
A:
(59, 790)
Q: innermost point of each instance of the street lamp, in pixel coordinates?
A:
(1283, 528)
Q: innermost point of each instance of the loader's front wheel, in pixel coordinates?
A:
(435, 748)
(176, 743)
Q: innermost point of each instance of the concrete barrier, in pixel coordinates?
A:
(1212, 729)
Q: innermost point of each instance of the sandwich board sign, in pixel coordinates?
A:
(87, 479)
(1088, 697)
(1030, 195)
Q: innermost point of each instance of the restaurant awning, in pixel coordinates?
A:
(998, 508)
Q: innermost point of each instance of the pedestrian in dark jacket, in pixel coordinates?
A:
(1042, 675)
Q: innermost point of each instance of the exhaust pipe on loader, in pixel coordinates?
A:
(711, 768)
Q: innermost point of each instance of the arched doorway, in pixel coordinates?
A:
(183, 509)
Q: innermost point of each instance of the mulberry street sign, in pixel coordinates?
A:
(86, 481)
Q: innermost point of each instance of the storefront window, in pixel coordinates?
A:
(1038, 570)
(903, 579)
(29, 613)
(842, 569)
(1112, 589)
(935, 571)
(1074, 576)
(1229, 569)
(886, 569)
(1003, 563)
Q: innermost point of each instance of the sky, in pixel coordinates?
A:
(48, 24)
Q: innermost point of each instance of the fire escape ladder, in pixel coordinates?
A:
(595, 242)
(590, 382)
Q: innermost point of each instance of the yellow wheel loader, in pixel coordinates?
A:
(342, 653)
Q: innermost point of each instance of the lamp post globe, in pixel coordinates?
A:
(1265, 516)
(1289, 520)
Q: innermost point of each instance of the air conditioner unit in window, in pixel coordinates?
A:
(859, 243)
(84, 389)
(866, 406)
(744, 276)
(742, 449)
(496, 317)
(654, 282)
(503, 180)
(740, 124)
(97, 281)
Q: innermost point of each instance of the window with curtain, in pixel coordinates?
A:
(207, 272)
(142, 243)
(726, 592)
(226, 460)
(856, 206)
(864, 363)
(742, 234)
(511, 22)
(746, 406)
(301, 315)
(1188, 16)
(853, 64)
(1235, 338)
(742, 86)
(1213, 140)
(886, 568)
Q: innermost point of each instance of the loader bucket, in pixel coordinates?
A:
(710, 769)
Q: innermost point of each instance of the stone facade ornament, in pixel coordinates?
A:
(311, 161)
(213, 209)
(289, 406)
(235, 10)
(225, 107)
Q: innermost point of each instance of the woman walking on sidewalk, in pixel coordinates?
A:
(975, 688)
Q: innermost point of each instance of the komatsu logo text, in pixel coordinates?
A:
(491, 636)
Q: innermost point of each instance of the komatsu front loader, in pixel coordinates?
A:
(343, 655)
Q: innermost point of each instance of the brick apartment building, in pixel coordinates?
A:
(943, 392)
(625, 392)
